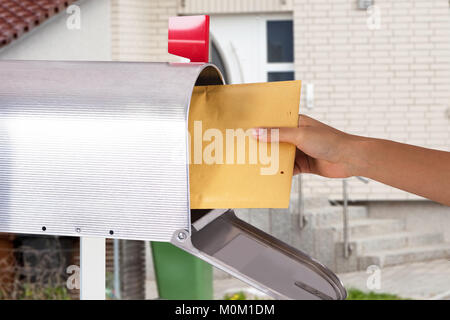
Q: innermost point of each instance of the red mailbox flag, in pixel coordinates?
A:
(189, 37)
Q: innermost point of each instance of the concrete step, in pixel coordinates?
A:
(316, 218)
(394, 241)
(405, 255)
(368, 227)
(333, 215)
(312, 202)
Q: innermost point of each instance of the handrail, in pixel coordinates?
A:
(301, 219)
(362, 179)
(345, 218)
(345, 214)
(300, 204)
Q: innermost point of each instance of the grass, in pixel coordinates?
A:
(236, 296)
(353, 294)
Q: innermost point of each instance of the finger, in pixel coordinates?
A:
(290, 135)
(305, 121)
(302, 162)
(296, 170)
(297, 167)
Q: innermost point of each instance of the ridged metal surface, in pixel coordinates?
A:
(90, 147)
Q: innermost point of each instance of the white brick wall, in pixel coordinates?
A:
(389, 83)
(233, 6)
(139, 29)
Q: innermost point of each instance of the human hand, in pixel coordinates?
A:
(331, 153)
(321, 149)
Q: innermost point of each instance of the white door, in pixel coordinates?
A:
(253, 48)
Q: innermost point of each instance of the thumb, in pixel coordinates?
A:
(290, 135)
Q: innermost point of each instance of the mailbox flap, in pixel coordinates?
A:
(220, 238)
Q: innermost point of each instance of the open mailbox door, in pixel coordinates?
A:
(264, 262)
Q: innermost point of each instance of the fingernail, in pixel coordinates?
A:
(260, 133)
(255, 132)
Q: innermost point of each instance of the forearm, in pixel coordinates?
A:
(422, 171)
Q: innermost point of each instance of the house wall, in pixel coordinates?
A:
(139, 29)
(54, 41)
(233, 6)
(388, 83)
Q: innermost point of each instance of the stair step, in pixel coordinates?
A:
(394, 241)
(322, 217)
(368, 227)
(405, 255)
(314, 202)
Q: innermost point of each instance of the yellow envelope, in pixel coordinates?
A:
(228, 168)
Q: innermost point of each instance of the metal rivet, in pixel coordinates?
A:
(44, 228)
(182, 236)
(111, 232)
(78, 230)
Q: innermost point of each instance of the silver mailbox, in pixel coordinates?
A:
(100, 149)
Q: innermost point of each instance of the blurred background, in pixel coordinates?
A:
(376, 68)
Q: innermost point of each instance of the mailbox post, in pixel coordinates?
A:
(92, 268)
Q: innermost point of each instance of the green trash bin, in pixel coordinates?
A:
(180, 275)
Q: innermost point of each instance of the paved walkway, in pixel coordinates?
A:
(420, 280)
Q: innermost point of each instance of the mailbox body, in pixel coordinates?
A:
(96, 148)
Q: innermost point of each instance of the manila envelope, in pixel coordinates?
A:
(228, 168)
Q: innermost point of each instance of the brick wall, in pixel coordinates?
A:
(233, 6)
(389, 83)
(139, 29)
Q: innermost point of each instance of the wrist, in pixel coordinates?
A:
(356, 155)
